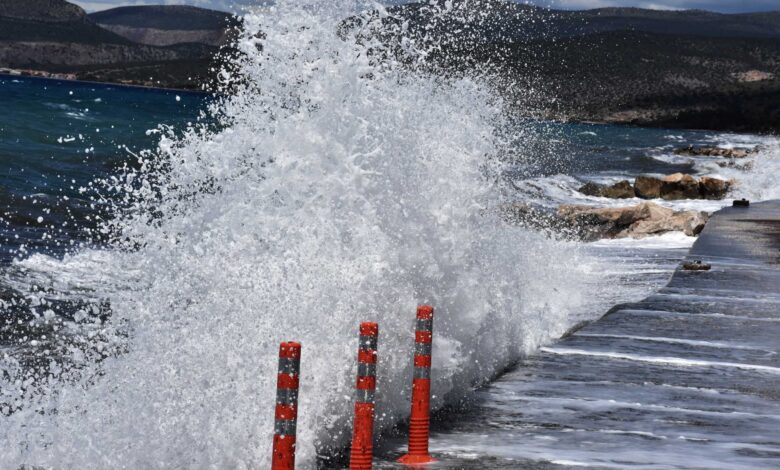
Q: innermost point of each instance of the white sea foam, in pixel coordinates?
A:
(669, 240)
(762, 181)
(338, 190)
(672, 361)
(660, 339)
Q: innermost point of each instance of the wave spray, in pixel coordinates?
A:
(343, 183)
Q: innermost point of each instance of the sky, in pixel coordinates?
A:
(724, 6)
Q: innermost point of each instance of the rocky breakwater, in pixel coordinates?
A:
(721, 152)
(590, 223)
(639, 221)
(723, 157)
(670, 187)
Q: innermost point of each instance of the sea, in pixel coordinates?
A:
(157, 245)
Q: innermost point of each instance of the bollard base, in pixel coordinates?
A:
(416, 460)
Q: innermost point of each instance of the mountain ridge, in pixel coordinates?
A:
(55, 37)
(623, 65)
(718, 71)
(165, 25)
(172, 17)
(42, 10)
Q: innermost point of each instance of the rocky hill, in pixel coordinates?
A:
(624, 65)
(57, 37)
(50, 21)
(164, 25)
(683, 23)
(51, 11)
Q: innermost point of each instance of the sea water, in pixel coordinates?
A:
(159, 245)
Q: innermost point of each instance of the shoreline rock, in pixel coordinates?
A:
(619, 190)
(711, 151)
(647, 187)
(679, 186)
(671, 187)
(590, 223)
(639, 221)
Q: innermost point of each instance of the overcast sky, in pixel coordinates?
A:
(726, 6)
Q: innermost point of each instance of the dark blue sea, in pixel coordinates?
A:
(58, 139)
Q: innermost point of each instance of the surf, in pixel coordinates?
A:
(334, 188)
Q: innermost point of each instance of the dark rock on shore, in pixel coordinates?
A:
(679, 186)
(647, 187)
(743, 166)
(619, 190)
(537, 218)
(713, 188)
(714, 152)
(670, 187)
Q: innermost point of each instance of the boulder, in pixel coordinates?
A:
(647, 187)
(667, 220)
(619, 190)
(545, 220)
(713, 188)
(538, 218)
(746, 166)
(679, 186)
(591, 189)
(638, 221)
(676, 178)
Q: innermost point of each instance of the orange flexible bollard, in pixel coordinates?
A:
(286, 406)
(419, 422)
(362, 452)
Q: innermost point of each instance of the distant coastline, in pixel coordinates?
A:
(56, 77)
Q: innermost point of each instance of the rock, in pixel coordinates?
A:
(679, 186)
(713, 188)
(591, 189)
(637, 221)
(737, 153)
(619, 190)
(747, 166)
(714, 152)
(537, 218)
(676, 178)
(694, 221)
(647, 187)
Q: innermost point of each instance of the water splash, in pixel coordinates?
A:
(342, 185)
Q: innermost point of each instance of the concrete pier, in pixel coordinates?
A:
(688, 378)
